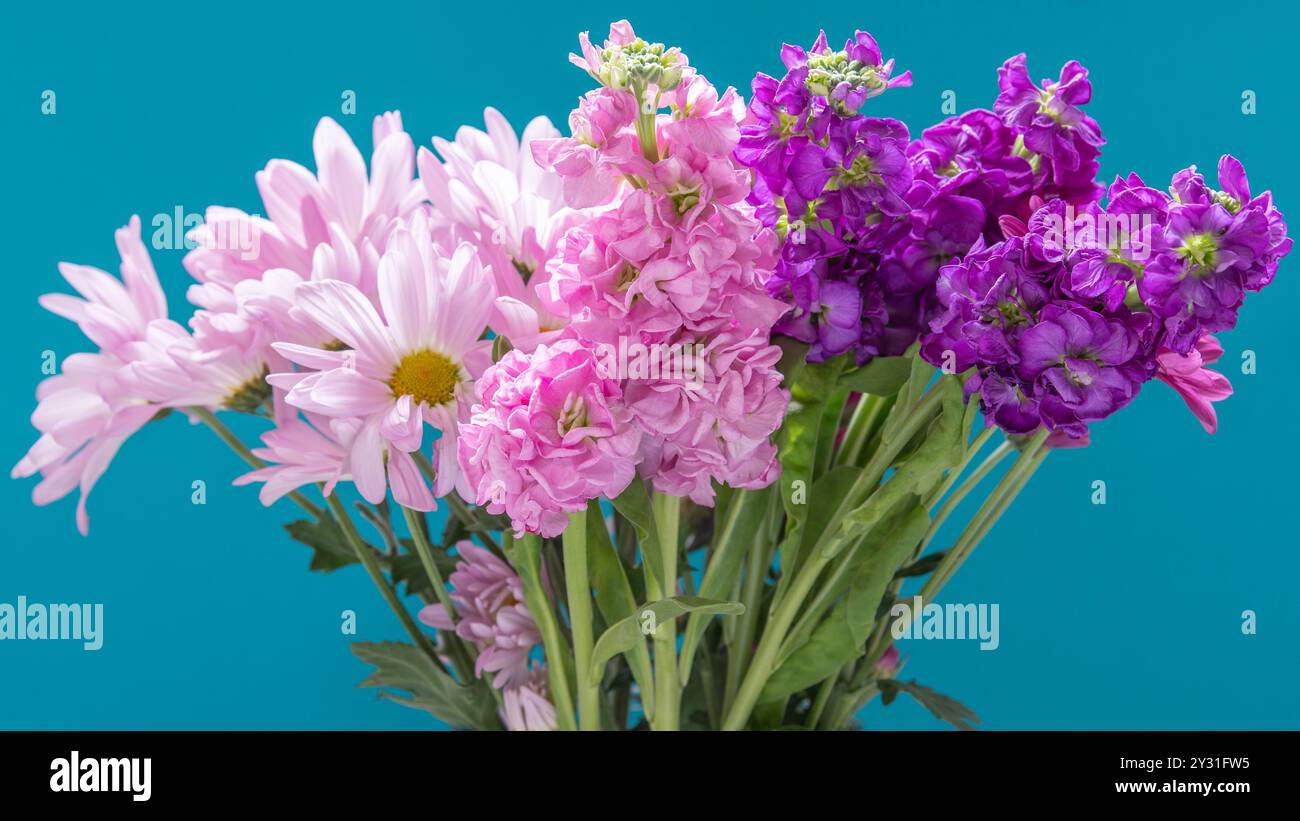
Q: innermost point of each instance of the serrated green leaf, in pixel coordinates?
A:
(404, 667)
(944, 708)
(626, 633)
(330, 548)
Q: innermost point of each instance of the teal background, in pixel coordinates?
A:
(1126, 615)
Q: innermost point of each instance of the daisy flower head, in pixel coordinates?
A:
(96, 402)
(487, 190)
(395, 371)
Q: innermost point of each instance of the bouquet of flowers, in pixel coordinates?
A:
(698, 383)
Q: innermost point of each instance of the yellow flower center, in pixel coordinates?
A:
(425, 376)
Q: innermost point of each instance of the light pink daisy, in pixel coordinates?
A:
(339, 203)
(88, 410)
(414, 364)
(489, 191)
(302, 453)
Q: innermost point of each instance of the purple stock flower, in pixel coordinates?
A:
(1216, 246)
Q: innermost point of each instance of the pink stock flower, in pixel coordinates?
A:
(602, 148)
(549, 433)
(414, 365)
(490, 614)
(628, 272)
(714, 423)
(1199, 386)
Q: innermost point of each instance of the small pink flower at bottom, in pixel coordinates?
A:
(528, 707)
(490, 614)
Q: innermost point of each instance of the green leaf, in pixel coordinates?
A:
(626, 633)
(882, 376)
(828, 493)
(944, 708)
(941, 448)
(614, 597)
(737, 534)
(330, 548)
(917, 381)
(404, 667)
(798, 452)
(634, 505)
(409, 570)
(842, 636)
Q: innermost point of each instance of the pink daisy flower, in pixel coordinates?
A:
(88, 410)
(488, 190)
(414, 365)
(490, 613)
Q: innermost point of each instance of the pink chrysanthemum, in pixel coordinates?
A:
(490, 614)
(301, 454)
(147, 364)
(338, 204)
(549, 433)
(416, 364)
(489, 191)
(528, 707)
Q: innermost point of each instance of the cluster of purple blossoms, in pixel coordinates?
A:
(869, 215)
(1067, 318)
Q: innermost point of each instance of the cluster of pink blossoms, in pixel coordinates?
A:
(668, 263)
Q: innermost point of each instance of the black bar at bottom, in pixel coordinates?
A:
(426, 771)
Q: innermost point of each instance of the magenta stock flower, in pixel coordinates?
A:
(550, 433)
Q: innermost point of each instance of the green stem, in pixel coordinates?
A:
(738, 649)
(367, 559)
(525, 556)
(760, 668)
(953, 475)
(219, 428)
(823, 697)
(997, 503)
(861, 426)
(990, 462)
(786, 608)
(668, 688)
(578, 585)
(460, 654)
